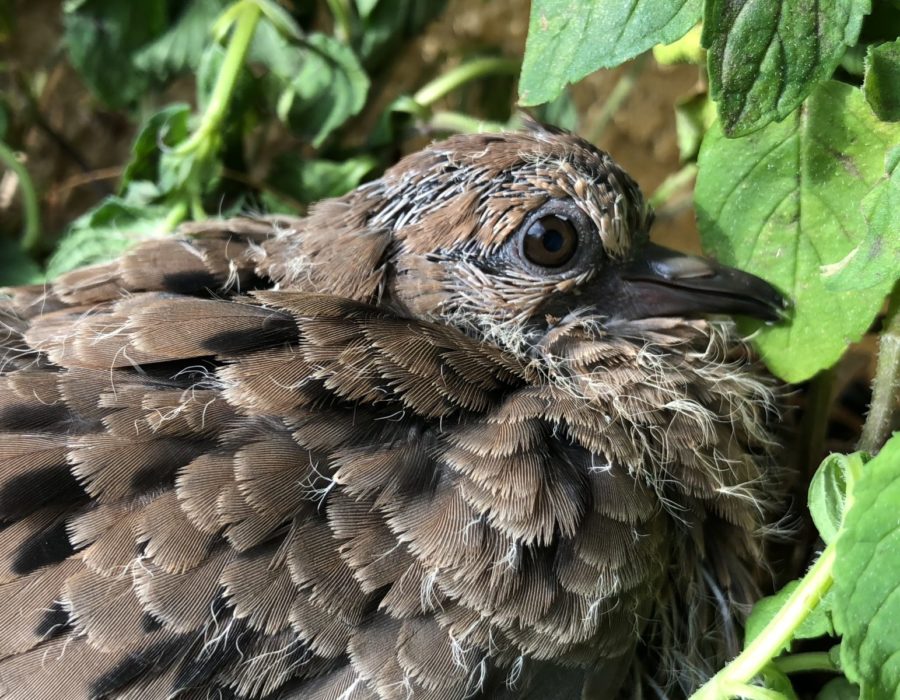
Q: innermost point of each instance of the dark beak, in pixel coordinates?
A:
(664, 282)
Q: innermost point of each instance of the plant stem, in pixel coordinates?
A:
(447, 83)
(617, 96)
(459, 123)
(775, 635)
(247, 14)
(31, 238)
(176, 215)
(885, 406)
(814, 426)
(672, 184)
(343, 27)
(754, 692)
(805, 662)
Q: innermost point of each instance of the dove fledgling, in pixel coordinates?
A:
(461, 433)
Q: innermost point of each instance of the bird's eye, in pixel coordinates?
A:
(550, 241)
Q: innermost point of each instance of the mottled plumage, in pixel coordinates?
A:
(458, 433)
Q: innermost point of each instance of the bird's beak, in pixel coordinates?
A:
(664, 282)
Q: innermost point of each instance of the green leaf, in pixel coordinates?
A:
(876, 260)
(687, 49)
(104, 233)
(828, 492)
(280, 18)
(321, 83)
(308, 181)
(766, 56)
(179, 48)
(366, 7)
(15, 265)
(162, 130)
(103, 36)
(866, 592)
(384, 24)
(778, 681)
(694, 115)
(838, 689)
(569, 39)
(560, 112)
(783, 203)
(882, 81)
(817, 624)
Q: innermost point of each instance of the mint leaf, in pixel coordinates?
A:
(777, 680)
(876, 260)
(162, 130)
(694, 115)
(104, 233)
(308, 181)
(882, 81)
(687, 49)
(783, 203)
(766, 56)
(321, 82)
(838, 689)
(866, 592)
(385, 24)
(817, 624)
(103, 37)
(828, 492)
(569, 39)
(560, 112)
(179, 48)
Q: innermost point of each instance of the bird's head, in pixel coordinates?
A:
(514, 230)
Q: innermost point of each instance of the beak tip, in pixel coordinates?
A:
(784, 311)
(676, 283)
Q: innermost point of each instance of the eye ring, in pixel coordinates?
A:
(550, 241)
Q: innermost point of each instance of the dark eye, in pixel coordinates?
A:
(550, 241)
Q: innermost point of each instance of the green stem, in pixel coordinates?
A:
(177, 214)
(884, 410)
(775, 635)
(246, 14)
(459, 123)
(31, 237)
(672, 184)
(754, 692)
(806, 662)
(814, 426)
(343, 27)
(447, 83)
(617, 96)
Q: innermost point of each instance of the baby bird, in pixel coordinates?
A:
(460, 433)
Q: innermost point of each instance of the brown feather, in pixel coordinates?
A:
(372, 453)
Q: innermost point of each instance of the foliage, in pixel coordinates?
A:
(797, 182)
(793, 132)
(564, 46)
(784, 202)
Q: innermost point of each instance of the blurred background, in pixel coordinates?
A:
(72, 101)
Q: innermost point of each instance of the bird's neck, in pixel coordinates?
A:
(681, 403)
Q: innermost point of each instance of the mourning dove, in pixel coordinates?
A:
(460, 433)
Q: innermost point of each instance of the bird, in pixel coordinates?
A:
(463, 432)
